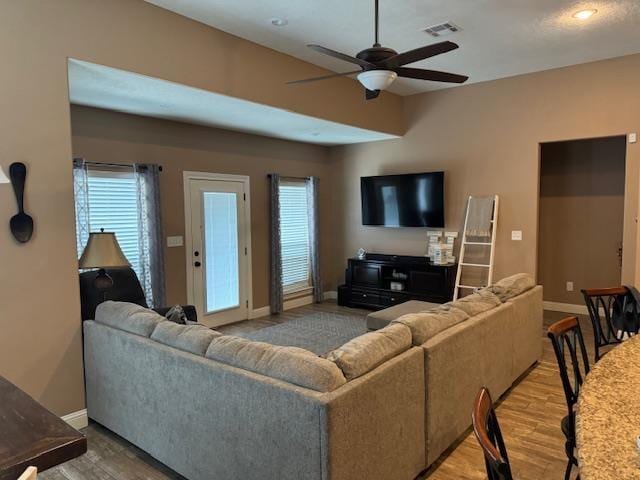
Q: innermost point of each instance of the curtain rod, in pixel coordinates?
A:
(117, 165)
(289, 176)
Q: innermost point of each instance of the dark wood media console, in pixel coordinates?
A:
(368, 281)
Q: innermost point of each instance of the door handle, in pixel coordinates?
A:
(197, 264)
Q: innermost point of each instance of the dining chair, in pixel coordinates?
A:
(30, 473)
(573, 363)
(487, 431)
(614, 316)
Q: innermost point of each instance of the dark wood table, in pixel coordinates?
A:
(30, 435)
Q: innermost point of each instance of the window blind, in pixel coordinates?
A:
(113, 205)
(294, 236)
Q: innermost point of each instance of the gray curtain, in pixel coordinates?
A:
(314, 237)
(276, 257)
(81, 193)
(151, 235)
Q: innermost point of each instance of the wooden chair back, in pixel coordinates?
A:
(571, 354)
(30, 473)
(613, 313)
(487, 431)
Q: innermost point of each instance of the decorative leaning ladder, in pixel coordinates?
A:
(464, 263)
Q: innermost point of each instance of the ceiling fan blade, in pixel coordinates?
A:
(341, 56)
(420, 54)
(324, 77)
(432, 75)
(371, 94)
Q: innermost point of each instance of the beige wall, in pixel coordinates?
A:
(40, 344)
(486, 137)
(105, 136)
(581, 216)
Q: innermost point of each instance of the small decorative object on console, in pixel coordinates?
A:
(450, 241)
(362, 253)
(434, 238)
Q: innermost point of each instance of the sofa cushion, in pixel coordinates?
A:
(291, 364)
(382, 318)
(476, 303)
(189, 338)
(366, 352)
(129, 317)
(512, 286)
(426, 325)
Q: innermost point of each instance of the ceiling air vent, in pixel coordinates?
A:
(442, 29)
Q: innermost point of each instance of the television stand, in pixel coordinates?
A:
(369, 281)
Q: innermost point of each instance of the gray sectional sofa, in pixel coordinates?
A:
(383, 406)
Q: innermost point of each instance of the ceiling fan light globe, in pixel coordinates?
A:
(377, 79)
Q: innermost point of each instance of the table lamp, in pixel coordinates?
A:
(102, 251)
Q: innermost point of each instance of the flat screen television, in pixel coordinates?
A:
(413, 200)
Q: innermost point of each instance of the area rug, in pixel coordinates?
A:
(319, 332)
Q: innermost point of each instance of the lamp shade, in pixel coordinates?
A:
(377, 79)
(3, 177)
(103, 251)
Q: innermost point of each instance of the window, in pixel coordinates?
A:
(113, 205)
(294, 236)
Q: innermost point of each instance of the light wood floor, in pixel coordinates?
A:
(529, 415)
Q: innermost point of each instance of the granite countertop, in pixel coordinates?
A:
(608, 416)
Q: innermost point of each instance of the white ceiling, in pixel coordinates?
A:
(499, 38)
(105, 87)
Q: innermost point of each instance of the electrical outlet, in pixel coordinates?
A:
(633, 137)
(569, 286)
(516, 235)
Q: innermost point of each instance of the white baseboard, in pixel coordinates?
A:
(297, 302)
(78, 419)
(260, 312)
(332, 295)
(565, 307)
(288, 305)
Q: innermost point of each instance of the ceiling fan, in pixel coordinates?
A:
(380, 66)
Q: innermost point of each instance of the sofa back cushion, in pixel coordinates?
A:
(512, 286)
(426, 325)
(129, 317)
(189, 338)
(366, 352)
(290, 364)
(477, 302)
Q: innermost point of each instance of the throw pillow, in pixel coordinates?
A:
(176, 315)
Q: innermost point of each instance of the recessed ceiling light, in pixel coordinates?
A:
(279, 22)
(585, 14)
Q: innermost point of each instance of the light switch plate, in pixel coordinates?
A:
(516, 234)
(176, 241)
(633, 137)
(569, 286)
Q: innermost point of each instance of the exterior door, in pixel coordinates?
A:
(217, 249)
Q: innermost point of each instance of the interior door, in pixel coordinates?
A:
(217, 263)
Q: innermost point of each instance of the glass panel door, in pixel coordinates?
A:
(222, 290)
(217, 261)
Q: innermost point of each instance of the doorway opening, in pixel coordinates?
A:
(581, 218)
